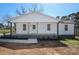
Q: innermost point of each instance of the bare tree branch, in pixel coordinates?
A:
(35, 8)
(21, 11)
(18, 12)
(7, 18)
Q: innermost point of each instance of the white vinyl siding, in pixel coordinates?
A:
(37, 28)
(69, 31)
(19, 28)
(42, 28)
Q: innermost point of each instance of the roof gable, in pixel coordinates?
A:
(35, 17)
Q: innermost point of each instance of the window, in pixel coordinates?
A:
(33, 26)
(66, 27)
(48, 27)
(24, 27)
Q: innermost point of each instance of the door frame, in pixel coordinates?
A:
(31, 30)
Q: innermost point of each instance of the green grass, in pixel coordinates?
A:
(71, 42)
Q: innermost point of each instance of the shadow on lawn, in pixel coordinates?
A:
(41, 44)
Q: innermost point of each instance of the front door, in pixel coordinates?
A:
(33, 28)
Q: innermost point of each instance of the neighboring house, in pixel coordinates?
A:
(39, 25)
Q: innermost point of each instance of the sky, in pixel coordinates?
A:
(51, 9)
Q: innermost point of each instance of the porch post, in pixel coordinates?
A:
(10, 29)
(15, 27)
(37, 27)
(28, 27)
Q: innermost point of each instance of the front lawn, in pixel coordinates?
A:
(71, 42)
(5, 31)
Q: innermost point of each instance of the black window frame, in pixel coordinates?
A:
(48, 27)
(66, 28)
(24, 27)
(34, 26)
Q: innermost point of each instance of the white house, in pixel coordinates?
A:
(36, 24)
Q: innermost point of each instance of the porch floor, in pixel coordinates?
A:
(30, 40)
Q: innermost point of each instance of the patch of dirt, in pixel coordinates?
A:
(41, 48)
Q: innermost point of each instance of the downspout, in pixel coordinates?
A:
(37, 29)
(74, 29)
(58, 29)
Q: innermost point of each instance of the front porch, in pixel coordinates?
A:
(34, 40)
(26, 36)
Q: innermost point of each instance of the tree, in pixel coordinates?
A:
(72, 16)
(64, 18)
(21, 11)
(58, 17)
(7, 18)
(75, 18)
(37, 7)
(34, 8)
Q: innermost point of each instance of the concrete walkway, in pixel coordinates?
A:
(32, 40)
